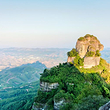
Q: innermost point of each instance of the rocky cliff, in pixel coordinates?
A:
(68, 86)
(45, 86)
(91, 61)
(88, 48)
(88, 43)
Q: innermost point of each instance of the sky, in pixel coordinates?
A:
(52, 23)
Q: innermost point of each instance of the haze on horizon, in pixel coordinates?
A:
(52, 23)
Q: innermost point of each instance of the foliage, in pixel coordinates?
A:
(77, 86)
(91, 102)
(72, 53)
(14, 77)
(81, 39)
(98, 54)
(20, 98)
(43, 97)
(61, 95)
(86, 36)
(90, 54)
(91, 36)
(17, 86)
(78, 61)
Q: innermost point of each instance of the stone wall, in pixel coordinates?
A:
(45, 86)
(91, 61)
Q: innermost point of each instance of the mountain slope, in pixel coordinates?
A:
(78, 89)
(20, 98)
(23, 74)
(83, 83)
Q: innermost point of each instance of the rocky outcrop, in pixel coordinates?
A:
(88, 48)
(38, 106)
(88, 43)
(45, 86)
(91, 61)
(58, 104)
(70, 59)
(105, 107)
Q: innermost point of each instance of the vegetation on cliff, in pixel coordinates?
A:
(72, 53)
(88, 46)
(88, 36)
(78, 60)
(80, 88)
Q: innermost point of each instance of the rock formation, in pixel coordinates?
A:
(88, 43)
(88, 48)
(58, 104)
(91, 61)
(45, 86)
(105, 107)
(70, 84)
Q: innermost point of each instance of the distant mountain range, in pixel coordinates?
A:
(13, 57)
(106, 54)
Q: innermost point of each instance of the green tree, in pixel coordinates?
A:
(90, 54)
(72, 53)
(98, 54)
(78, 61)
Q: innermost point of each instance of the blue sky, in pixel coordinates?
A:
(53, 23)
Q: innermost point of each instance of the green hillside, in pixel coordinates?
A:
(27, 73)
(19, 85)
(20, 98)
(79, 88)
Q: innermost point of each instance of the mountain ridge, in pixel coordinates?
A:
(27, 73)
(70, 86)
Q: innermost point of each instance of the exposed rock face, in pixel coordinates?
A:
(91, 61)
(105, 107)
(58, 104)
(88, 43)
(45, 86)
(39, 106)
(87, 47)
(70, 59)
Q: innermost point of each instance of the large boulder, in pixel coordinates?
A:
(88, 43)
(105, 107)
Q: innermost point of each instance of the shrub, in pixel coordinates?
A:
(72, 53)
(81, 39)
(78, 61)
(91, 102)
(98, 54)
(90, 54)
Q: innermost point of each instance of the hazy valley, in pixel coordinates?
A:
(12, 57)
